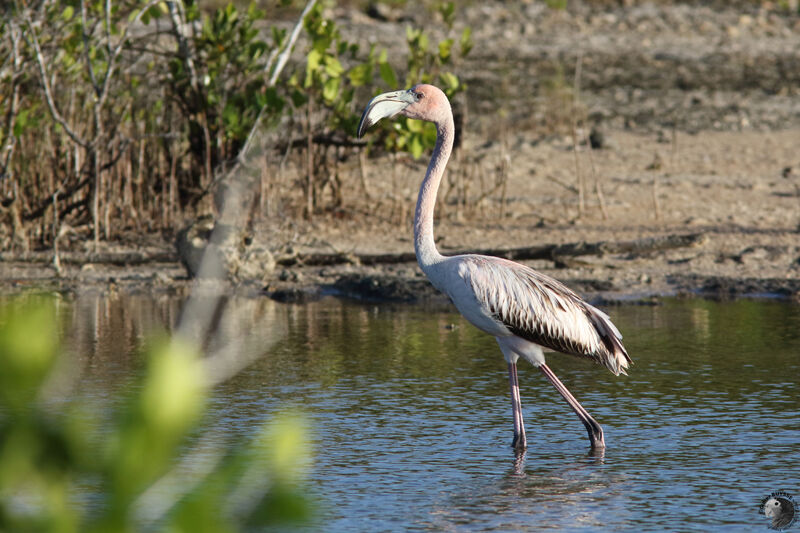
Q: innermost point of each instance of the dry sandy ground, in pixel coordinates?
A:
(728, 187)
(699, 106)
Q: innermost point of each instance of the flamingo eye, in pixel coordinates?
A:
(418, 96)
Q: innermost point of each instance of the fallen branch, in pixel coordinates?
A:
(81, 258)
(320, 140)
(552, 252)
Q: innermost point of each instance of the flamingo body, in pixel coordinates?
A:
(526, 311)
(510, 300)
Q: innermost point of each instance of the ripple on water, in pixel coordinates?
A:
(412, 421)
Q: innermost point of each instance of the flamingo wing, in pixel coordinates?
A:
(543, 311)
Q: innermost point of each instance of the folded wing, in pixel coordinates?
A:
(543, 311)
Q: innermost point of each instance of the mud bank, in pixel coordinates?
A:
(698, 110)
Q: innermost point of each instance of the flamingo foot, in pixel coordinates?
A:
(595, 432)
(519, 442)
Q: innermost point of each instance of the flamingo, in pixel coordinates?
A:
(526, 311)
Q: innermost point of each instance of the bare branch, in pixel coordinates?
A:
(11, 115)
(87, 58)
(178, 18)
(118, 49)
(282, 59)
(51, 105)
(107, 10)
(287, 51)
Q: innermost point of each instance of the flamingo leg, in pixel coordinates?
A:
(519, 442)
(592, 427)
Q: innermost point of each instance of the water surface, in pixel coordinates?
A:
(412, 417)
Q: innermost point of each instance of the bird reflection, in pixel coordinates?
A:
(598, 455)
(519, 462)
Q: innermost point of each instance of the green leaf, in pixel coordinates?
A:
(274, 101)
(360, 74)
(313, 61)
(333, 68)
(28, 344)
(423, 42)
(172, 396)
(556, 4)
(450, 81)
(231, 116)
(415, 147)
(330, 90)
(20, 122)
(67, 13)
(448, 10)
(388, 75)
(414, 126)
(278, 37)
(466, 41)
(156, 11)
(444, 50)
(192, 11)
(299, 98)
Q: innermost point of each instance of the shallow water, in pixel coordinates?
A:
(411, 414)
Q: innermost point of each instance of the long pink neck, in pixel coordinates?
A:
(424, 245)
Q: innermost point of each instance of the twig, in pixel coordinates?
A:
(289, 145)
(282, 59)
(310, 167)
(656, 203)
(178, 17)
(11, 114)
(575, 98)
(362, 172)
(599, 191)
(601, 198)
(107, 13)
(102, 94)
(85, 36)
(122, 40)
(48, 95)
(106, 258)
(505, 164)
(284, 56)
(56, 230)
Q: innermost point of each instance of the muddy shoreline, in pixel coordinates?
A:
(608, 274)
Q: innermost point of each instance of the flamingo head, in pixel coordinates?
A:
(422, 102)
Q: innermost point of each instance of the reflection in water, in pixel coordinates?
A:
(103, 334)
(411, 429)
(519, 462)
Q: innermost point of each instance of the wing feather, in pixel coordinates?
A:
(543, 311)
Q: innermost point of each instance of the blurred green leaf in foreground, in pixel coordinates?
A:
(63, 468)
